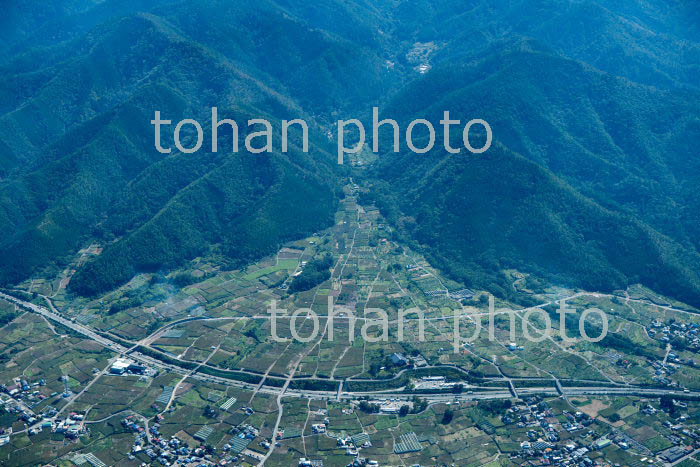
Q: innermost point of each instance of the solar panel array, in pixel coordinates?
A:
(360, 439)
(173, 333)
(94, 461)
(167, 393)
(204, 432)
(239, 444)
(407, 443)
(227, 405)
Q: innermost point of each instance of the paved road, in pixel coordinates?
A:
(477, 394)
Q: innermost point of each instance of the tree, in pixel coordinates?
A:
(313, 274)
(403, 411)
(419, 404)
(368, 408)
(495, 407)
(447, 417)
(209, 412)
(668, 405)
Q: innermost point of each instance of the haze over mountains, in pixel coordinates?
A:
(593, 177)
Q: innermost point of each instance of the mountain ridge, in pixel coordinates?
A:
(597, 120)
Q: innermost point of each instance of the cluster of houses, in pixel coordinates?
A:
(72, 427)
(20, 387)
(545, 429)
(544, 445)
(167, 451)
(353, 444)
(685, 439)
(161, 450)
(319, 428)
(173, 451)
(667, 332)
(663, 372)
(683, 336)
(676, 453)
(18, 408)
(29, 392)
(680, 428)
(22, 397)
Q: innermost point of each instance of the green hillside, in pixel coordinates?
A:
(592, 179)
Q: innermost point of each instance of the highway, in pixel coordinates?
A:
(472, 392)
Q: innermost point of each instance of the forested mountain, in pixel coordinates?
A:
(601, 99)
(592, 179)
(82, 147)
(610, 175)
